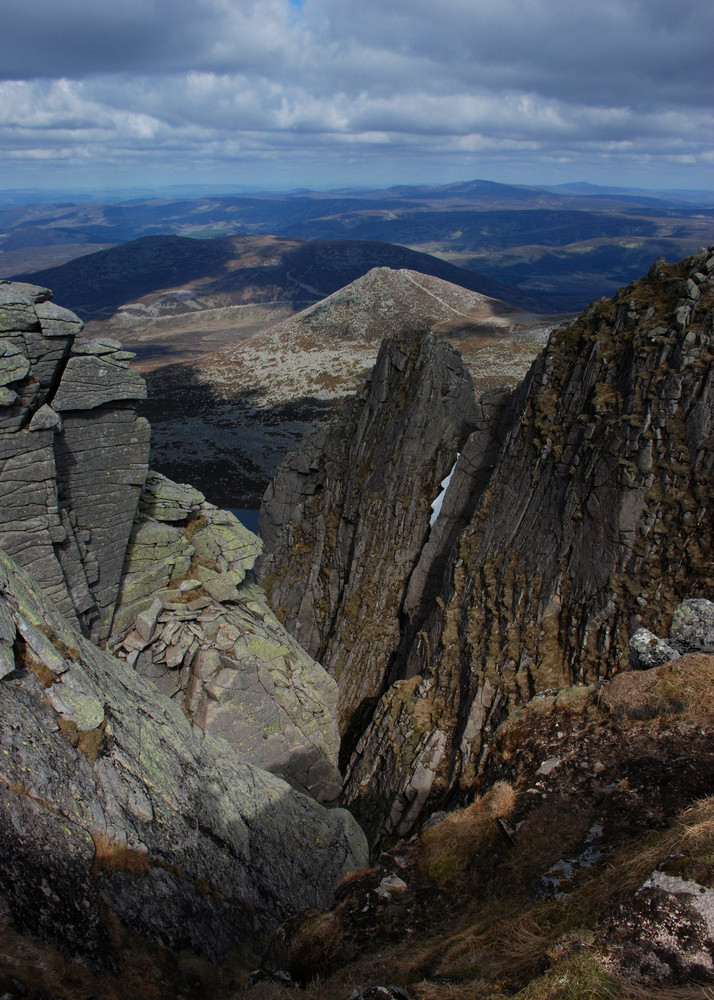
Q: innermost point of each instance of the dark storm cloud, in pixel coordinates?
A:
(632, 51)
(78, 38)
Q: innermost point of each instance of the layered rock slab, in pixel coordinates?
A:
(116, 808)
(346, 516)
(190, 618)
(73, 454)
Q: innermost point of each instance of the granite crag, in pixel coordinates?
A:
(73, 454)
(347, 515)
(121, 815)
(74, 467)
(580, 511)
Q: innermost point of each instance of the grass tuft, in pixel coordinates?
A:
(451, 844)
(109, 855)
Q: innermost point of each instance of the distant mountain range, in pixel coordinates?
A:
(234, 270)
(566, 245)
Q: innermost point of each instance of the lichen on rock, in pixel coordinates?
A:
(190, 619)
(132, 819)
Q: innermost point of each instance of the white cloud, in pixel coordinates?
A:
(563, 80)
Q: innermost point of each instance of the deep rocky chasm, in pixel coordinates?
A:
(580, 509)
(341, 592)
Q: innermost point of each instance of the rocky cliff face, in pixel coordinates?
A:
(73, 454)
(594, 519)
(119, 817)
(120, 814)
(345, 519)
(74, 461)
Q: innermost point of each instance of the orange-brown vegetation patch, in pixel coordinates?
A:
(683, 686)
(110, 855)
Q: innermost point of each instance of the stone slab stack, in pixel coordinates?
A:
(73, 454)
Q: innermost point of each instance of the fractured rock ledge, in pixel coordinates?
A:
(190, 619)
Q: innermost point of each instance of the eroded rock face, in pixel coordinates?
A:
(189, 619)
(346, 516)
(114, 808)
(595, 520)
(73, 454)
(580, 511)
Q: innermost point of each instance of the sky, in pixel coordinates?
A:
(274, 94)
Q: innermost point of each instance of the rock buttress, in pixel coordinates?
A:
(73, 454)
(595, 520)
(346, 516)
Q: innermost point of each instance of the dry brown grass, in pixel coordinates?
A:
(109, 855)
(89, 741)
(692, 835)
(683, 686)
(509, 942)
(449, 846)
(696, 828)
(147, 971)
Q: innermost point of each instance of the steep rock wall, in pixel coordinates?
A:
(346, 516)
(580, 509)
(596, 520)
(73, 454)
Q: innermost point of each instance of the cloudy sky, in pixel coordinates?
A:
(323, 93)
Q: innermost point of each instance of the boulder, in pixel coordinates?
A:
(692, 627)
(665, 935)
(118, 816)
(647, 651)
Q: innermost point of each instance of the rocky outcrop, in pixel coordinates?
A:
(118, 815)
(73, 454)
(346, 517)
(73, 460)
(691, 631)
(665, 934)
(595, 805)
(190, 618)
(594, 521)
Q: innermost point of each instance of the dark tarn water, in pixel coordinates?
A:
(249, 518)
